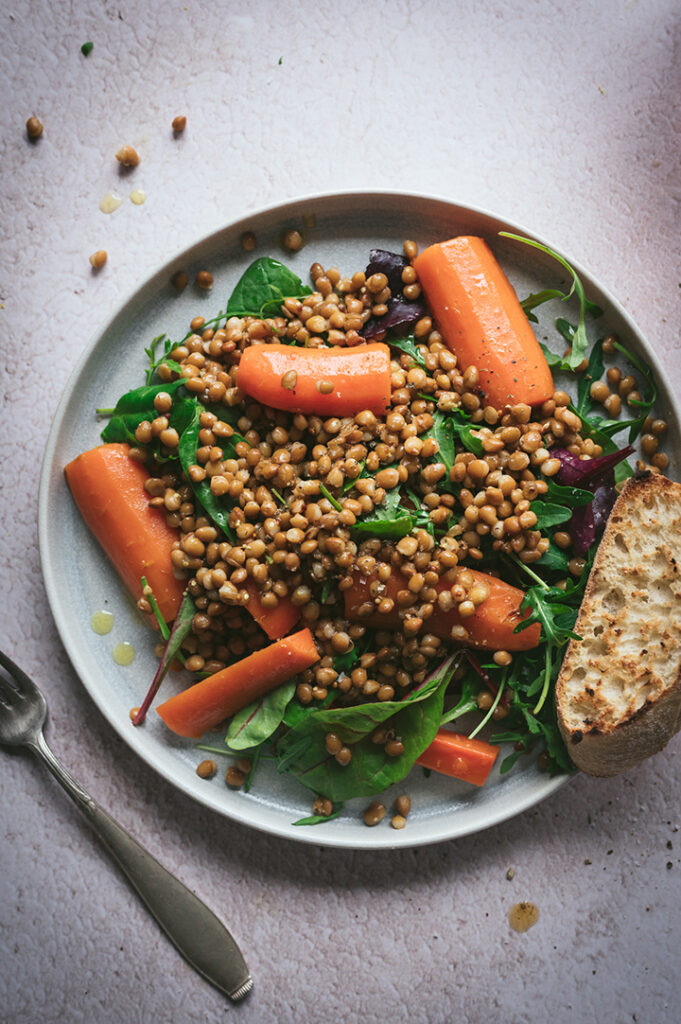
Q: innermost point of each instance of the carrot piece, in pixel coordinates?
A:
(276, 622)
(221, 695)
(482, 321)
(453, 754)
(490, 627)
(323, 381)
(108, 488)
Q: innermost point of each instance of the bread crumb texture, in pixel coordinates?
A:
(619, 690)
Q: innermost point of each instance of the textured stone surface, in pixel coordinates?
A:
(563, 117)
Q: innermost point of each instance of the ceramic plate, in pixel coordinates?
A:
(338, 230)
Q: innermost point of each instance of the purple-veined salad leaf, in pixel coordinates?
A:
(180, 630)
(382, 261)
(588, 521)
(587, 473)
(596, 475)
(401, 315)
(256, 723)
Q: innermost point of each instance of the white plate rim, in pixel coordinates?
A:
(323, 835)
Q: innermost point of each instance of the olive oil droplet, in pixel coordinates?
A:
(124, 653)
(110, 202)
(523, 915)
(102, 622)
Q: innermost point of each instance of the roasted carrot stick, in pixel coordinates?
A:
(322, 381)
(221, 695)
(276, 622)
(482, 321)
(490, 627)
(453, 754)
(108, 488)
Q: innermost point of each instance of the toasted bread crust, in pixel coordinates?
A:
(618, 695)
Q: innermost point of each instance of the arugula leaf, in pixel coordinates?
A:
(450, 427)
(408, 345)
(265, 283)
(650, 396)
(580, 342)
(389, 520)
(551, 357)
(345, 662)
(467, 701)
(180, 630)
(257, 722)
(415, 720)
(594, 372)
(547, 606)
(319, 819)
(133, 408)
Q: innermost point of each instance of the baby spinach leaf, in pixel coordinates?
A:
(297, 712)
(189, 411)
(579, 341)
(133, 408)
(415, 719)
(554, 558)
(263, 287)
(565, 494)
(549, 515)
(408, 345)
(257, 722)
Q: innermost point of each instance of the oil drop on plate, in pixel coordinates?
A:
(102, 622)
(124, 653)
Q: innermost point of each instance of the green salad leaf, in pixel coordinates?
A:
(415, 720)
(216, 508)
(257, 722)
(263, 287)
(133, 408)
(408, 345)
(579, 339)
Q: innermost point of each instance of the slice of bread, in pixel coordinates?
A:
(618, 694)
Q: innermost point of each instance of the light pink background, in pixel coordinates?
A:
(562, 117)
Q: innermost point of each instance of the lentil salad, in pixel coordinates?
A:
(439, 486)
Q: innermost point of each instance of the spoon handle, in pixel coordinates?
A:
(189, 924)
